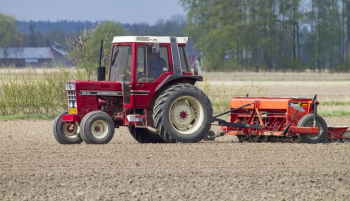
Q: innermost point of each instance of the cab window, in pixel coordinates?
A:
(121, 64)
(151, 65)
(184, 59)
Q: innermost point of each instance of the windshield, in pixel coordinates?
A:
(121, 64)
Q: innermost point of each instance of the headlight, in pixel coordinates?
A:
(70, 85)
(75, 104)
(70, 104)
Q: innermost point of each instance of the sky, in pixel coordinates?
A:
(123, 11)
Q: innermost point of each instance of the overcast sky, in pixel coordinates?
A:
(124, 11)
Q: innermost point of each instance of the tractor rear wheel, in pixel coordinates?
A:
(65, 133)
(308, 121)
(97, 127)
(182, 113)
(144, 135)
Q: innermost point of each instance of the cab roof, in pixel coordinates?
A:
(147, 39)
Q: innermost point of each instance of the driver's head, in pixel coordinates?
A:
(154, 56)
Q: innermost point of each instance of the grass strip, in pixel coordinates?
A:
(334, 113)
(334, 102)
(28, 117)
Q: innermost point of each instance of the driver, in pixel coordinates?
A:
(155, 67)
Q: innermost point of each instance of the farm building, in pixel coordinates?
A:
(26, 56)
(21, 57)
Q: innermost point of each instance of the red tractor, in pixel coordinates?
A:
(150, 89)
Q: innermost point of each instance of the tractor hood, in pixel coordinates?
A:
(95, 86)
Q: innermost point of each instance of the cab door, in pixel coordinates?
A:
(146, 81)
(120, 69)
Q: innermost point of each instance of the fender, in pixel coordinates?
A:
(170, 80)
(174, 77)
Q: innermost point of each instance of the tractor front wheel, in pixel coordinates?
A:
(307, 121)
(97, 127)
(182, 113)
(65, 133)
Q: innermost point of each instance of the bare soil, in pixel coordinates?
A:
(33, 166)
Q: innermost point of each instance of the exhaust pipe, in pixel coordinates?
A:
(101, 70)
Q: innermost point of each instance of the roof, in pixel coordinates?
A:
(27, 53)
(59, 50)
(56, 44)
(145, 39)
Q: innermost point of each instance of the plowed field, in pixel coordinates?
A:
(33, 166)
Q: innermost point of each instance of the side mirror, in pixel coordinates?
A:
(155, 47)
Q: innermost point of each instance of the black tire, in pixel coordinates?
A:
(241, 138)
(143, 135)
(59, 134)
(171, 98)
(100, 120)
(307, 121)
(210, 136)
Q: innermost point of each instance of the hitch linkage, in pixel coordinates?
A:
(239, 125)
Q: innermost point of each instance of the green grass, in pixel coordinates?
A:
(33, 92)
(334, 113)
(28, 117)
(334, 102)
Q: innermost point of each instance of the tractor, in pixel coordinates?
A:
(150, 89)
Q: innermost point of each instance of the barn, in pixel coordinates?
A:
(21, 57)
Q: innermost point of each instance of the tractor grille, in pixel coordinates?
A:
(71, 99)
(71, 95)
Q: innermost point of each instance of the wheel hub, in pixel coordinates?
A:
(320, 130)
(99, 129)
(186, 115)
(181, 115)
(71, 130)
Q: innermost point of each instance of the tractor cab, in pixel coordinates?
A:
(143, 63)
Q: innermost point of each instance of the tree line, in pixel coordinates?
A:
(43, 33)
(15, 33)
(272, 35)
(233, 35)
